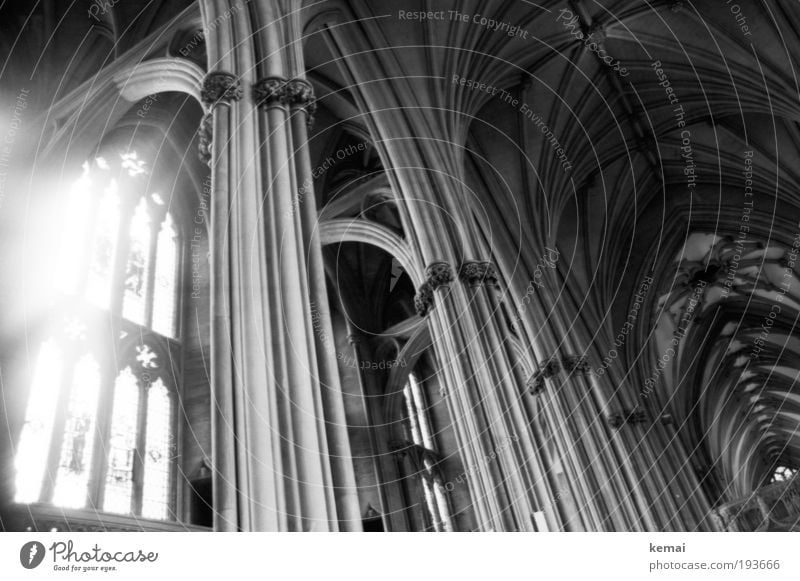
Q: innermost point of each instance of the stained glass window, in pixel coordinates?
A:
(158, 452)
(137, 266)
(166, 266)
(76, 448)
(122, 444)
(99, 431)
(100, 275)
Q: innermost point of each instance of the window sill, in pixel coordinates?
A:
(49, 518)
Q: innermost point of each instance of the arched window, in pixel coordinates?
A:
(100, 426)
(425, 485)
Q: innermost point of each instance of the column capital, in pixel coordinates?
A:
(547, 369)
(551, 367)
(220, 87)
(270, 91)
(423, 300)
(300, 93)
(205, 136)
(629, 417)
(439, 274)
(478, 272)
(575, 363)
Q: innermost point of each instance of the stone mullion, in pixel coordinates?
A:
(331, 405)
(107, 358)
(157, 214)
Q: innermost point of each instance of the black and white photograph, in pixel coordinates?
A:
(502, 267)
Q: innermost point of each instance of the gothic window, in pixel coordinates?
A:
(424, 482)
(100, 426)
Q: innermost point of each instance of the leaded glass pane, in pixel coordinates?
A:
(75, 462)
(783, 473)
(422, 413)
(166, 271)
(137, 268)
(158, 453)
(37, 431)
(122, 444)
(101, 264)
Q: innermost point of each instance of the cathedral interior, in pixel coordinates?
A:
(360, 265)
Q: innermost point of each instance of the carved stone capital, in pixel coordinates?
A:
(423, 300)
(220, 87)
(205, 137)
(547, 369)
(300, 93)
(270, 91)
(576, 363)
(630, 417)
(439, 274)
(476, 273)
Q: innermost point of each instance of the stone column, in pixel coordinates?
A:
(281, 454)
(625, 470)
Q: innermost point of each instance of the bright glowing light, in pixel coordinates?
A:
(34, 442)
(73, 235)
(137, 269)
(166, 274)
(75, 464)
(157, 457)
(98, 287)
(122, 448)
(87, 266)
